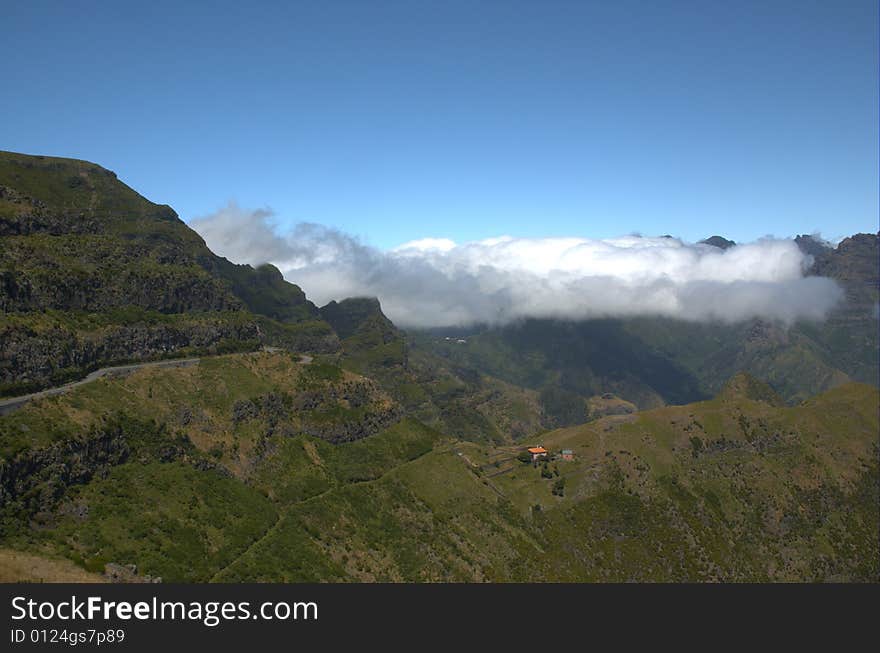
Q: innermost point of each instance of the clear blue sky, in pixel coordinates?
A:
(401, 120)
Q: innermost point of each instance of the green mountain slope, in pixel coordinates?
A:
(731, 489)
(92, 273)
(223, 482)
(453, 399)
(586, 358)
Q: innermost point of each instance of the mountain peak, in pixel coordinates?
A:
(718, 241)
(743, 385)
(352, 314)
(812, 245)
(57, 195)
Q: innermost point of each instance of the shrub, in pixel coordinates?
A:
(559, 487)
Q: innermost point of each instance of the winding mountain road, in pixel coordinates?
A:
(9, 404)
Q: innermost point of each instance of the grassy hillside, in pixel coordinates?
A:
(18, 566)
(224, 405)
(204, 474)
(729, 489)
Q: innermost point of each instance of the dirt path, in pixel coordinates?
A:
(282, 513)
(285, 510)
(484, 477)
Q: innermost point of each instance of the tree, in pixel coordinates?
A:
(559, 487)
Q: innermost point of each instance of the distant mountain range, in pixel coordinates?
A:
(652, 361)
(312, 444)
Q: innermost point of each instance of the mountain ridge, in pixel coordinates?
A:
(94, 274)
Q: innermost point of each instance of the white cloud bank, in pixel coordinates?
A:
(436, 282)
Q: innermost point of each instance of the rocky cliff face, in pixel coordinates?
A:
(854, 263)
(35, 358)
(175, 289)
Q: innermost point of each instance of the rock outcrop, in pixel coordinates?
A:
(36, 358)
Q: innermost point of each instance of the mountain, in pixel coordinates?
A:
(650, 361)
(357, 314)
(588, 358)
(854, 263)
(76, 216)
(718, 241)
(850, 334)
(298, 443)
(460, 401)
(91, 273)
(812, 245)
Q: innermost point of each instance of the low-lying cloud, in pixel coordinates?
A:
(436, 282)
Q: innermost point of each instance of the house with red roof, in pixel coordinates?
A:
(538, 452)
